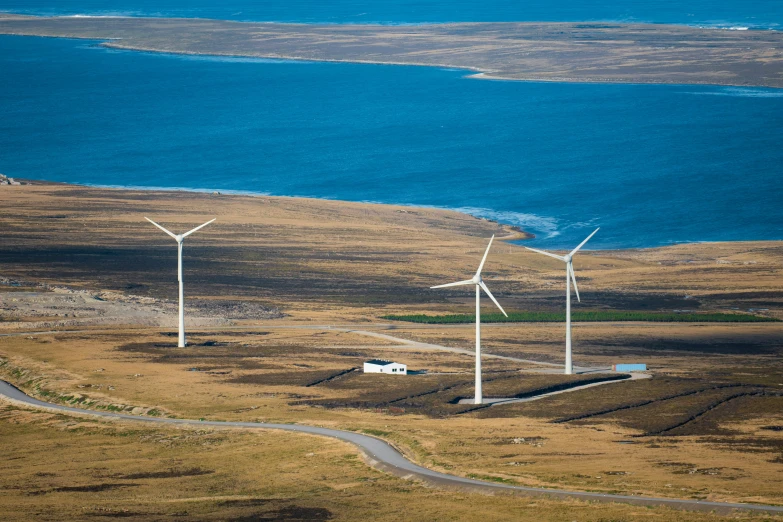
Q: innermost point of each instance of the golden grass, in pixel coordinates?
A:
(464, 445)
(298, 255)
(64, 468)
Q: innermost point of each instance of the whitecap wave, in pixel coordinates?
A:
(235, 59)
(158, 188)
(540, 225)
(742, 92)
(105, 14)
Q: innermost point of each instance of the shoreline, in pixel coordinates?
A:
(294, 254)
(725, 26)
(563, 52)
(471, 73)
(514, 232)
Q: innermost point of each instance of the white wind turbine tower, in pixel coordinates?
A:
(568, 258)
(179, 238)
(479, 286)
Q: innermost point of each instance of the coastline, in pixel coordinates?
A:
(296, 254)
(725, 25)
(512, 232)
(567, 52)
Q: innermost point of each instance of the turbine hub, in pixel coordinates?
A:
(568, 258)
(179, 238)
(477, 278)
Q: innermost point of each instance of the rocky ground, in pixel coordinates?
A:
(29, 305)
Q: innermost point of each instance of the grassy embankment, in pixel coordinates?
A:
(583, 317)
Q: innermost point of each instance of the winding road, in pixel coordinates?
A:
(385, 457)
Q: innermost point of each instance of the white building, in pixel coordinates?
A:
(379, 366)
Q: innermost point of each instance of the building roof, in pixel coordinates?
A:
(379, 362)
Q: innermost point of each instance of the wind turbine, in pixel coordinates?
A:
(568, 258)
(179, 238)
(476, 280)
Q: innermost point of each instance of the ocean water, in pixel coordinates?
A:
(762, 14)
(650, 164)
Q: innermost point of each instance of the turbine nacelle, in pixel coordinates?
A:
(476, 280)
(180, 237)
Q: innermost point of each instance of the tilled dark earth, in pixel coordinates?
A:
(665, 406)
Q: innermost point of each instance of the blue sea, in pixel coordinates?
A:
(757, 14)
(651, 164)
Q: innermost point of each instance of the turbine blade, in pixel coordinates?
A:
(483, 259)
(160, 227)
(458, 283)
(574, 251)
(484, 286)
(546, 253)
(573, 278)
(186, 234)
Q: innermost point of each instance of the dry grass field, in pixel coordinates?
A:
(64, 468)
(312, 278)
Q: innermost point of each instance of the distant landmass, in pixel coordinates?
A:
(560, 52)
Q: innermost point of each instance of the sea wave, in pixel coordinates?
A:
(203, 190)
(232, 59)
(96, 16)
(544, 227)
(742, 92)
(438, 18)
(540, 225)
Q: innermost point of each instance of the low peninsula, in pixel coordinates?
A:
(558, 52)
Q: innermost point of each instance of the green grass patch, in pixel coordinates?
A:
(377, 433)
(584, 317)
(490, 478)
